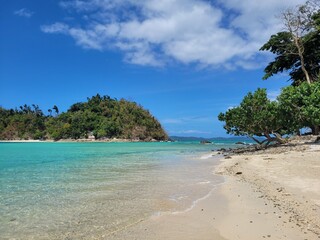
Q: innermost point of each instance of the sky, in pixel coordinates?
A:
(183, 60)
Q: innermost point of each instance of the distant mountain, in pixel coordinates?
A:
(219, 139)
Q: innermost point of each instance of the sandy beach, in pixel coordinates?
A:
(268, 194)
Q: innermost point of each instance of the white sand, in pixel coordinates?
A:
(276, 196)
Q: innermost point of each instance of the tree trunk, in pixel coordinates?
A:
(315, 130)
(279, 138)
(256, 140)
(300, 53)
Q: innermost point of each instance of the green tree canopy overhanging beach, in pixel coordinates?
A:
(297, 50)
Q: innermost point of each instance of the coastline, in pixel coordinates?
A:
(88, 191)
(268, 194)
(273, 193)
(265, 194)
(77, 140)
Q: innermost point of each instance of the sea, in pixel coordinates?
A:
(58, 190)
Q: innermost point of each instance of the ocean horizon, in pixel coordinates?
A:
(91, 190)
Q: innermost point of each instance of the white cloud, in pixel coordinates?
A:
(225, 34)
(23, 12)
(258, 19)
(55, 28)
(273, 94)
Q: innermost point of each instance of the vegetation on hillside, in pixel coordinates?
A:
(101, 117)
(297, 50)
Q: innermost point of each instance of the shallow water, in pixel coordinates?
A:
(89, 190)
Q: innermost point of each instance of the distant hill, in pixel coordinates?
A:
(178, 138)
(99, 117)
(220, 139)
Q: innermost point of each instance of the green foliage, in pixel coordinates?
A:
(256, 116)
(282, 46)
(26, 123)
(287, 58)
(297, 51)
(300, 106)
(296, 107)
(103, 117)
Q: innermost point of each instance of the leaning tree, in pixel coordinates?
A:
(256, 116)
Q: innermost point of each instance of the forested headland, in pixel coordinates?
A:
(297, 109)
(100, 117)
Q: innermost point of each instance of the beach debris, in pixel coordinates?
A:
(280, 189)
(227, 157)
(238, 173)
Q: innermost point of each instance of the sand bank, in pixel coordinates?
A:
(270, 194)
(273, 193)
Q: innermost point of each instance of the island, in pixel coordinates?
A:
(99, 118)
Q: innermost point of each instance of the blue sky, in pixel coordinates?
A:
(184, 60)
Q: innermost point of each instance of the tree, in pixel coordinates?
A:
(256, 116)
(297, 49)
(100, 115)
(56, 109)
(300, 106)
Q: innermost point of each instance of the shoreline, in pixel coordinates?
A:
(267, 194)
(281, 185)
(149, 180)
(78, 141)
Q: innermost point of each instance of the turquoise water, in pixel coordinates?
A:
(90, 190)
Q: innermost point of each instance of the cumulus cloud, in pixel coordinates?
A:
(257, 20)
(23, 12)
(224, 33)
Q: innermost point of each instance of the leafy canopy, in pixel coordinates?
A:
(300, 106)
(296, 107)
(297, 50)
(101, 116)
(256, 116)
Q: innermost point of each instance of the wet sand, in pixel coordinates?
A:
(270, 194)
